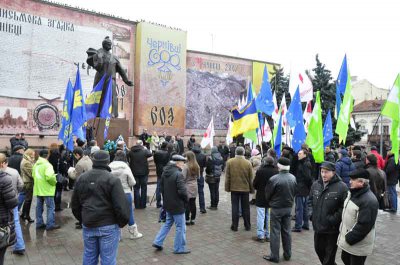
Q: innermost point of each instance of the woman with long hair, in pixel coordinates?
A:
(191, 172)
(27, 163)
(214, 163)
(55, 161)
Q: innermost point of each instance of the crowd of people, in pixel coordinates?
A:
(341, 196)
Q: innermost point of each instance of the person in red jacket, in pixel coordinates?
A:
(381, 161)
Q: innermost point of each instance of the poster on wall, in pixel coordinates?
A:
(160, 79)
(43, 44)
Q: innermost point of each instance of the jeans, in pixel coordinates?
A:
(393, 197)
(21, 199)
(190, 213)
(301, 212)
(131, 214)
(140, 191)
(20, 244)
(49, 200)
(280, 226)
(214, 193)
(180, 232)
(262, 222)
(243, 198)
(326, 247)
(200, 187)
(158, 193)
(100, 241)
(57, 196)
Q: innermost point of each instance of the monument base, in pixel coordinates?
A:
(117, 127)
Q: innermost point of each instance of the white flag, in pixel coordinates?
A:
(208, 137)
(301, 79)
(276, 109)
(284, 110)
(267, 133)
(229, 138)
(307, 115)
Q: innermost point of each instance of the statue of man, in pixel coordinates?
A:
(107, 64)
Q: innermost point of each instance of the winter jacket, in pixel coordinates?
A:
(381, 161)
(84, 164)
(255, 162)
(99, 199)
(304, 178)
(224, 151)
(280, 190)
(190, 144)
(239, 175)
(232, 151)
(201, 158)
(138, 160)
(344, 166)
(155, 143)
(54, 160)
(330, 157)
(327, 204)
(17, 182)
(122, 171)
(173, 189)
(358, 163)
(191, 182)
(181, 147)
(161, 159)
(44, 178)
(8, 201)
(15, 161)
(214, 166)
(392, 171)
(357, 230)
(26, 169)
(263, 174)
(14, 142)
(376, 180)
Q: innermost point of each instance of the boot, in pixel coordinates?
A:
(134, 233)
(25, 211)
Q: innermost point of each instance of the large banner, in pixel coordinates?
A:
(42, 45)
(258, 72)
(160, 79)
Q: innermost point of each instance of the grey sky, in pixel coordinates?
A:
(286, 32)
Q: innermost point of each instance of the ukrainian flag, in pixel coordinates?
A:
(92, 102)
(245, 119)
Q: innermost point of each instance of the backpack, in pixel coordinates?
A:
(217, 168)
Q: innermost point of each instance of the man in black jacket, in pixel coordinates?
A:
(304, 181)
(161, 159)
(175, 198)
(201, 160)
(140, 169)
(15, 160)
(392, 173)
(327, 196)
(99, 202)
(279, 194)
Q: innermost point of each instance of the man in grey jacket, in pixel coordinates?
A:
(279, 193)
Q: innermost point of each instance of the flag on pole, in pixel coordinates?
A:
(250, 94)
(346, 109)
(92, 101)
(229, 138)
(391, 109)
(341, 84)
(245, 119)
(328, 132)
(208, 137)
(301, 80)
(278, 136)
(315, 139)
(295, 119)
(266, 132)
(283, 109)
(65, 133)
(307, 115)
(264, 101)
(78, 117)
(299, 136)
(275, 115)
(106, 110)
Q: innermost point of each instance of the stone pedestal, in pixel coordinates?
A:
(117, 127)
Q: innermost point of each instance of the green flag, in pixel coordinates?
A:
(251, 135)
(315, 138)
(342, 125)
(391, 109)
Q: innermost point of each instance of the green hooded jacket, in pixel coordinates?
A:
(44, 178)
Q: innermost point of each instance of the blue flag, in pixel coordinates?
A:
(299, 136)
(264, 101)
(65, 132)
(250, 95)
(328, 135)
(93, 100)
(278, 138)
(78, 117)
(294, 114)
(341, 84)
(106, 110)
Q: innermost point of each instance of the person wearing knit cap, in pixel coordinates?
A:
(15, 160)
(357, 230)
(100, 204)
(327, 196)
(279, 194)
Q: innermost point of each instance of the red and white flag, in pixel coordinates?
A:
(307, 115)
(266, 132)
(302, 80)
(284, 110)
(229, 138)
(276, 109)
(208, 137)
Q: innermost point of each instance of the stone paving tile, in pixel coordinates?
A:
(210, 240)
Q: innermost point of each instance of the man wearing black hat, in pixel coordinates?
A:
(15, 160)
(327, 197)
(279, 194)
(357, 230)
(100, 204)
(175, 197)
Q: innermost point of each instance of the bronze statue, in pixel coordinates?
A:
(107, 64)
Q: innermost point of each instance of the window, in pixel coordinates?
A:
(386, 130)
(375, 130)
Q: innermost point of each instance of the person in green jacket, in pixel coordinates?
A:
(44, 188)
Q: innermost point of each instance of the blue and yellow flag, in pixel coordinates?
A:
(93, 99)
(78, 117)
(245, 119)
(106, 110)
(65, 133)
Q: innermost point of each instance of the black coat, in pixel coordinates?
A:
(330, 157)
(201, 159)
(161, 159)
(327, 204)
(181, 146)
(15, 161)
(224, 151)
(376, 181)
(173, 189)
(8, 201)
(102, 203)
(138, 160)
(392, 171)
(304, 177)
(263, 174)
(358, 163)
(280, 190)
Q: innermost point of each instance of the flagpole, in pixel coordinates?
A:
(261, 147)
